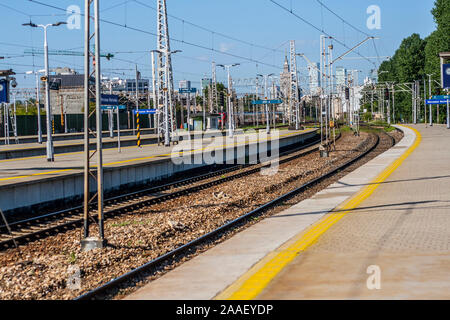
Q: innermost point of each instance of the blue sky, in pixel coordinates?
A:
(259, 22)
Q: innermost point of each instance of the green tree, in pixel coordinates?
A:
(439, 40)
(409, 60)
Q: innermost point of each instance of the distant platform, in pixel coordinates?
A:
(68, 143)
(71, 136)
(33, 181)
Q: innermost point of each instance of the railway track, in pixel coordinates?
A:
(27, 230)
(115, 283)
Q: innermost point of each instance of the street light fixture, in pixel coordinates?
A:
(229, 107)
(50, 154)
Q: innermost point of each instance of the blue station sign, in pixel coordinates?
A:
(4, 94)
(121, 107)
(109, 100)
(145, 111)
(438, 101)
(441, 97)
(446, 75)
(278, 101)
(187, 90)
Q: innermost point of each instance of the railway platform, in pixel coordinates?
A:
(69, 143)
(70, 136)
(380, 232)
(32, 182)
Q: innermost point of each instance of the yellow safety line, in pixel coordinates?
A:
(35, 174)
(145, 158)
(253, 282)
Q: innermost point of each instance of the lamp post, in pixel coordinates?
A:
(50, 155)
(229, 106)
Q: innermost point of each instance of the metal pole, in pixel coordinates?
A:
(111, 115)
(430, 111)
(138, 125)
(99, 123)
(66, 129)
(155, 98)
(371, 104)
(230, 110)
(118, 130)
(5, 109)
(203, 106)
(50, 156)
(38, 109)
(166, 102)
(273, 106)
(448, 116)
(4, 119)
(414, 97)
(15, 117)
(255, 109)
(188, 114)
(86, 118)
(137, 93)
(393, 102)
(425, 100)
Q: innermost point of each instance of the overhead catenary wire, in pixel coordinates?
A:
(343, 20)
(184, 21)
(172, 38)
(317, 28)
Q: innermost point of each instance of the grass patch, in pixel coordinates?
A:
(72, 258)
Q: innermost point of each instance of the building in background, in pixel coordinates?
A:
(373, 75)
(314, 78)
(285, 84)
(66, 92)
(184, 84)
(341, 76)
(206, 82)
(129, 85)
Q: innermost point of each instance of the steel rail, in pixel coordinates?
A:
(25, 230)
(153, 263)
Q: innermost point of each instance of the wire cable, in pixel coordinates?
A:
(172, 39)
(317, 28)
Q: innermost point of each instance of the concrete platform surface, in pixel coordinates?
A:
(394, 245)
(234, 269)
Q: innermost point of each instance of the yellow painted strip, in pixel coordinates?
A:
(252, 283)
(35, 174)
